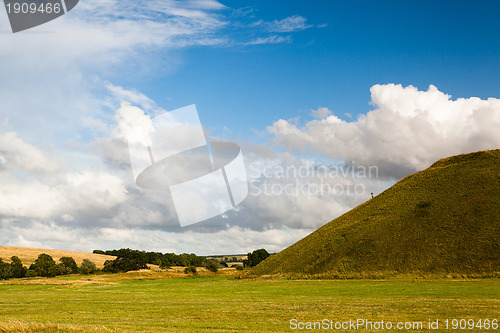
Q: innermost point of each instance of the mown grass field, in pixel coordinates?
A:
(153, 303)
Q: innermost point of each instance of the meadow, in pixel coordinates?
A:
(165, 302)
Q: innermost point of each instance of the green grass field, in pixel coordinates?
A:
(222, 304)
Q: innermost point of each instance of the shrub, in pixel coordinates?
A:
(239, 267)
(212, 265)
(190, 269)
(69, 265)
(31, 273)
(87, 267)
(43, 264)
(256, 257)
(4, 270)
(17, 270)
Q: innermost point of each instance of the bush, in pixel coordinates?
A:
(31, 273)
(127, 260)
(87, 267)
(69, 265)
(4, 270)
(17, 270)
(239, 267)
(190, 269)
(43, 264)
(256, 257)
(212, 265)
(56, 270)
(109, 266)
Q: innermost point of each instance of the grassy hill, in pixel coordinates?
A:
(29, 255)
(443, 220)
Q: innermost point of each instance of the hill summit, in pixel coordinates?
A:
(443, 220)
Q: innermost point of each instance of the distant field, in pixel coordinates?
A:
(145, 302)
(29, 255)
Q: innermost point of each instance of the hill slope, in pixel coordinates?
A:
(445, 219)
(29, 255)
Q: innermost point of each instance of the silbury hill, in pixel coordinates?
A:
(444, 220)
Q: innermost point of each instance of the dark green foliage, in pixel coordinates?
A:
(4, 270)
(190, 269)
(256, 257)
(17, 270)
(69, 265)
(212, 265)
(56, 270)
(239, 267)
(109, 267)
(443, 220)
(43, 264)
(164, 260)
(87, 267)
(127, 260)
(31, 273)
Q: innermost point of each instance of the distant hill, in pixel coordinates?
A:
(443, 220)
(29, 255)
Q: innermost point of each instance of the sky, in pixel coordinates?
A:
(329, 103)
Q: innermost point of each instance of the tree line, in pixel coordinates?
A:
(126, 260)
(45, 266)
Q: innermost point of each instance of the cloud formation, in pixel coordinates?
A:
(407, 131)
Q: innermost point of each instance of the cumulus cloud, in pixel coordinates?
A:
(321, 113)
(18, 155)
(233, 240)
(407, 131)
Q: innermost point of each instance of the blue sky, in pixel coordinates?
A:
(449, 44)
(394, 85)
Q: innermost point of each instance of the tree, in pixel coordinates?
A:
(56, 270)
(190, 269)
(31, 273)
(43, 264)
(4, 270)
(17, 270)
(256, 257)
(68, 265)
(87, 267)
(212, 265)
(127, 260)
(109, 266)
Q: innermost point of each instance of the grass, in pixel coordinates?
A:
(442, 221)
(153, 303)
(29, 255)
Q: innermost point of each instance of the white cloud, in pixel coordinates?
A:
(234, 240)
(407, 131)
(321, 113)
(17, 155)
(289, 24)
(65, 197)
(270, 40)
